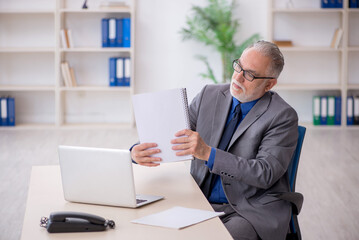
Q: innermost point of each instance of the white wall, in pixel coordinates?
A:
(164, 61)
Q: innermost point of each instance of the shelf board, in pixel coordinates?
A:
(309, 125)
(309, 49)
(99, 10)
(353, 86)
(96, 126)
(27, 50)
(354, 49)
(94, 49)
(26, 88)
(309, 10)
(95, 88)
(353, 10)
(295, 87)
(27, 11)
(29, 126)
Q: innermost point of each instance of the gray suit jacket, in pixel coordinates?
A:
(257, 159)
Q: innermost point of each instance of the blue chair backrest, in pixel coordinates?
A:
(293, 166)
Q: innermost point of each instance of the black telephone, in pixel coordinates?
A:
(60, 222)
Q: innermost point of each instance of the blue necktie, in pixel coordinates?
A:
(231, 128)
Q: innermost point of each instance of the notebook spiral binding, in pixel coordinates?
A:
(185, 106)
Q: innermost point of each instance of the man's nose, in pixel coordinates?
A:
(239, 76)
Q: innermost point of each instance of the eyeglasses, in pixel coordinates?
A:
(247, 75)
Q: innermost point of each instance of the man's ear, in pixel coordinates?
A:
(271, 83)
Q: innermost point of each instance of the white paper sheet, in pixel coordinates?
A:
(159, 115)
(177, 217)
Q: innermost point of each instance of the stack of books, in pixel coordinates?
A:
(68, 75)
(7, 111)
(113, 4)
(116, 32)
(283, 43)
(120, 71)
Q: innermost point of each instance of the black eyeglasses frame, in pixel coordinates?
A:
(245, 72)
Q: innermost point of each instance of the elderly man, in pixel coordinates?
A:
(242, 137)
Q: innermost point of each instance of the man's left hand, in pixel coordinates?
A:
(190, 142)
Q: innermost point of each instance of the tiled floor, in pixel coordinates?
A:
(328, 175)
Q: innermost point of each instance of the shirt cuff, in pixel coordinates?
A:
(131, 150)
(211, 158)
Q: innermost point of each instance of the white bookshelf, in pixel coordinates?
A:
(31, 55)
(312, 67)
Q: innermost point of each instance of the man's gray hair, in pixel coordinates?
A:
(272, 51)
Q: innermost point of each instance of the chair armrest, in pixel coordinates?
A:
(295, 198)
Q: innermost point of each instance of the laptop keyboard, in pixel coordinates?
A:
(138, 201)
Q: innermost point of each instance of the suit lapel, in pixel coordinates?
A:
(223, 103)
(257, 110)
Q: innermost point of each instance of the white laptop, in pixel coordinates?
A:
(100, 176)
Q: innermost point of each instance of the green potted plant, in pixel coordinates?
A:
(214, 26)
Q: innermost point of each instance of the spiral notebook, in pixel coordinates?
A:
(159, 116)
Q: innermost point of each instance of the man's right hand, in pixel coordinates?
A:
(141, 154)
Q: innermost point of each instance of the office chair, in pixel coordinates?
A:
(296, 199)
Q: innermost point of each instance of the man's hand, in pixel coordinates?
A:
(141, 154)
(191, 143)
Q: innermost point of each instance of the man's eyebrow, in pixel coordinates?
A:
(248, 70)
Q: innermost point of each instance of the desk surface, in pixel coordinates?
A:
(171, 180)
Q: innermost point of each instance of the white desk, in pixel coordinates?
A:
(171, 180)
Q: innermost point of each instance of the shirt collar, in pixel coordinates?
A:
(245, 107)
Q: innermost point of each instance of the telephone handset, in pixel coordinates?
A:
(60, 222)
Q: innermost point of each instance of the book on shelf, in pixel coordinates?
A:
(7, 111)
(323, 110)
(331, 110)
(104, 31)
(112, 32)
(73, 77)
(63, 38)
(316, 110)
(116, 32)
(126, 32)
(3, 109)
(159, 116)
(337, 37)
(112, 71)
(119, 32)
(126, 71)
(70, 39)
(119, 71)
(283, 43)
(66, 38)
(338, 111)
(356, 110)
(350, 110)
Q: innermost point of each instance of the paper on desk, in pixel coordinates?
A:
(177, 217)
